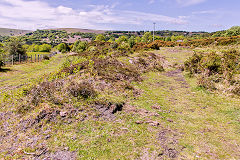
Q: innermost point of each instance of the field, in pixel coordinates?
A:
(166, 115)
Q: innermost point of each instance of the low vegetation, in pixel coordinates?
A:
(122, 98)
(216, 71)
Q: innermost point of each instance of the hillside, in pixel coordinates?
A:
(75, 30)
(12, 32)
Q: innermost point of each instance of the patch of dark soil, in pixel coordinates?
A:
(178, 77)
(169, 143)
(173, 73)
(107, 111)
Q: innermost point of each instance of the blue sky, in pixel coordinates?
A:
(189, 15)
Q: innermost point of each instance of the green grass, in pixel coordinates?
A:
(18, 76)
(206, 124)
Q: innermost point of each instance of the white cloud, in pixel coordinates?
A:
(189, 2)
(37, 14)
(205, 12)
(151, 1)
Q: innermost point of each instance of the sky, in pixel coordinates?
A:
(187, 15)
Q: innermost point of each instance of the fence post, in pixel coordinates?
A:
(38, 57)
(31, 58)
(35, 58)
(19, 56)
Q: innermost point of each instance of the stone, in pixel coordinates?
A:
(63, 114)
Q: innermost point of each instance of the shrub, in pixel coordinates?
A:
(82, 46)
(113, 70)
(213, 69)
(63, 47)
(192, 63)
(45, 57)
(114, 45)
(131, 41)
(100, 38)
(14, 47)
(211, 63)
(84, 90)
(122, 39)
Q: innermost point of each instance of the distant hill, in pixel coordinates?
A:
(12, 32)
(75, 30)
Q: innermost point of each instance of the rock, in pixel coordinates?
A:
(169, 120)
(47, 136)
(63, 114)
(153, 123)
(139, 122)
(66, 148)
(156, 107)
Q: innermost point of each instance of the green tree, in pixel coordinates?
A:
(167, 38)
(63, 47)
(82, 46)
(131, 41)
(138, 39)
(122, 39)
(15, 47)
(100, 38)
(147, 37)
(36, 48)
(45, 48)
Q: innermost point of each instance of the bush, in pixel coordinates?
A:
(192, 63)
(131, 42)
(82, 46)
(14, 47)
(63, 47)
(100, 38)
(211, 63)
(84, 90)
(212, 69)
(113, 70)
(45, 57)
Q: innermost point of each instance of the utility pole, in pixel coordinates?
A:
(154, 31)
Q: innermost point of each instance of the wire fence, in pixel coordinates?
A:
(19, 59)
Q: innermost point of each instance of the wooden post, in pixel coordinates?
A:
(31, 58)
(19, 58)
(38, 57)
(12, 60)
(35, 58)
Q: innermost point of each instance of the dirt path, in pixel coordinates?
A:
(209, 121)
